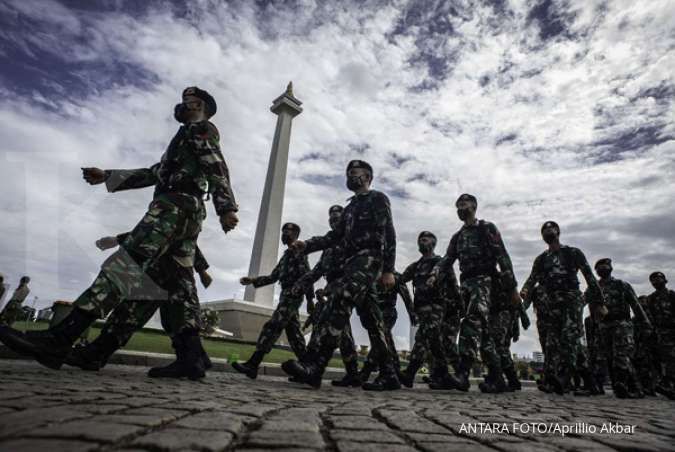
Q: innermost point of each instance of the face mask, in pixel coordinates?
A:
(463, 214)
(333, 222)
(425, 247)
(286, 239)
(354, 183)
(179, 113)
(659, 284)
(550, 237)
(604, 272)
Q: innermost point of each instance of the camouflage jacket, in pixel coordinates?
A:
(20, 294)
(479, 248)
(419, 271)
(191, 166)
(328, 266)
(557, 270)
(661, 306)
(366, 226)
(200, 262)
(620, 298)
(290, 268)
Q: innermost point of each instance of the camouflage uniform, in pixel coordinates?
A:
(597, 361)
(503, 320)
(617, 343)
(191, 167)
(12, 309)
(479, 249)
(661, 307)
(454, 311)
(540, 303)
(430, 307)
(366, 236)
(290, 268)
(556, 271)
(644, 358)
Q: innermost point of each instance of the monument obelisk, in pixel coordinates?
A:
(266, 241)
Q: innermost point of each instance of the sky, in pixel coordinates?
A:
(543, 109)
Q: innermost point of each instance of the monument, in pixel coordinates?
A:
(245, 318)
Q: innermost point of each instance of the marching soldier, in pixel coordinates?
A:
(661, 306)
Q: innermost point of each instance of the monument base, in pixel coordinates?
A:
(244, 319)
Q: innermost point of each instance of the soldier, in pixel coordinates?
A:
(129, 317)
(12, 310)
(645, 343)
(556, 270)
(367, 238)
(387, 302)
(290, 268)
(479, 248)
(661, 304)
(596, 360)
(504, 328)
(430, 308)
(616, 331)
(330, 267)
(191, 167)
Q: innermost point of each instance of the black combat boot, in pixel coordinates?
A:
(188, 361)
(93, 356)
(387, 380)
(367, 369)
(634, 388)
(49, 347)
(407, 377)
(250, 367)
(462, 375)
(512, 378)
(559, 383)
(589, 387)
(310, 369)
(351, 377)
(494, 382)
(206, 361)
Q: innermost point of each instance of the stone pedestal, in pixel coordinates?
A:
(245, 319)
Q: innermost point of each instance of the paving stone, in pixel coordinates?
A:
(351, 446)
(16, 422)
(468, 446)
(51, 445)
(373, 436)
(229, 422)
(181, 439)
(266, 438)
(88, 429)
(356, 423)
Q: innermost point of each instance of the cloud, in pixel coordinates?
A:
(543, 109)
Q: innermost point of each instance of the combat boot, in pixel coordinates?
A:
(307, 373)
(494, 382)
(94, 356)
(407, 376)
(385, 381)
(368, 368)
(620, 390)
(250, 367)
(589, 387)
(559, 383)
(512, 378)
(49, 347)
(188, 361)
(462, 375)
(351, 377)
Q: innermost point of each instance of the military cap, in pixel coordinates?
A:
(466, 197)
(335, 208)
(656, 275)
(550, 224)
(360, 164)
(603, 261)
(426, 234)
(208, 99)
(291, 226)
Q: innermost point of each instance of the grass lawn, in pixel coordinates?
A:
(158, 342)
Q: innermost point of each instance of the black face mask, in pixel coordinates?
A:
(425, 247)
(604, 273)
(179, 113)
(354, 183)
(287, 238)
(550, 237)
(463, 214)
(333, 222)
(659, 285)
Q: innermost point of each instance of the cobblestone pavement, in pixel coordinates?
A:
(119, 408)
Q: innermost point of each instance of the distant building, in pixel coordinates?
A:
(538, 357)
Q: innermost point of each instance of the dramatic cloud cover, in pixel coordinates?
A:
(543, 109)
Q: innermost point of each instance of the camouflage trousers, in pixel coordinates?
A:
(449, 331)
(475, 326)
(429, 338)
(562, 339)
(644, 359)
(346, 344)
(160, 248)
(618, 347)
(285, 318)
(355, 289)
(389, 317)
(501, 330)
(10, 313)
(665, 339)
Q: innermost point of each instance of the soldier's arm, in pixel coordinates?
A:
(532, 280)
(309, 285)
(273, 277)
(403, 291)
(635, 305)
(204, 141)
(385, 224)
(408, 273)
(120, 179)
(502, 256)
(445, 264)
(594, 291)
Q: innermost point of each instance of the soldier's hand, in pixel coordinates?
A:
(105, 243)
(388, 280)
(245, 281)
(94, 176)
(298, 246)
(229, 221)
(205, 278)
